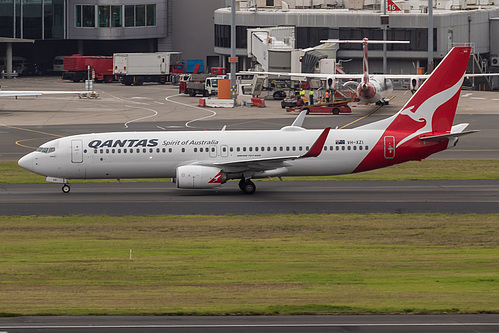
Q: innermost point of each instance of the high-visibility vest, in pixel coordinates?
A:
(327, 94)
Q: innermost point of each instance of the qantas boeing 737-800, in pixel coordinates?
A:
(207, 159)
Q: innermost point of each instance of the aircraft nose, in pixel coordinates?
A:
(26, 162)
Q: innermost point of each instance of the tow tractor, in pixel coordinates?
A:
(336, 107)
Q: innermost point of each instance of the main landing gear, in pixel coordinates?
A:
(247, 186)
(66, 188)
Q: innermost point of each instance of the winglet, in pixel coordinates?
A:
(318, 144)
(299, 120)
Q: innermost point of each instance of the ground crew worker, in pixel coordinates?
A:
(311, 97)
(327, 96)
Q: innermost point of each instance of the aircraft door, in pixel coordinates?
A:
(389, 147)
(77, 151)
(213, 151)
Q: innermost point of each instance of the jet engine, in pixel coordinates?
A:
(199, 176)
(414, 84)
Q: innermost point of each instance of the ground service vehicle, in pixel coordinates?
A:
(137, 68)
(76, 68)
(207, 87)
(336, 107)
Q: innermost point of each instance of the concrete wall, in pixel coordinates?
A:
(193, 27)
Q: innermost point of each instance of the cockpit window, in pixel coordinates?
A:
(46, 150)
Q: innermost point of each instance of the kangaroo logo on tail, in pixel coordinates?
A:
(426, 111)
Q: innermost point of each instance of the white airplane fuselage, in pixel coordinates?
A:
(377, 89)
(159, 154)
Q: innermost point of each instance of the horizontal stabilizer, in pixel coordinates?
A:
(446, 136)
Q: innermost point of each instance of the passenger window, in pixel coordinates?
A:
(213, 149)
(360, 147)
(287, 148)
(95, 151)
(281, 149)
(354, 147)
(125, 151)
(163, 150)
(342, 147)
(119, 151)
(112, 150)
(195, 150)
(107, 151)
(244, 148)
(250, 148)
(367, 147)
(294, 148)
(183, 150)
(170, 150)
(256, 148)
(337, 147)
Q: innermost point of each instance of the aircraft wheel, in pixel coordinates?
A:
(66, 188)
(247, 186)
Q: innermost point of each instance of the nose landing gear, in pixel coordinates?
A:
(66, 188)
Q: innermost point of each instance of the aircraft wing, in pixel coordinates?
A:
(262, 164)
(19, 93)
(307, 75)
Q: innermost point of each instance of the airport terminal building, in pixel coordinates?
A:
(455, 23)
(201, 29)
(104, 27)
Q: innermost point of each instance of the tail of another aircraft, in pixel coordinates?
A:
(433, 107)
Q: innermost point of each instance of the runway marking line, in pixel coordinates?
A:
(367, 115)
(249, 325)
(29, 130)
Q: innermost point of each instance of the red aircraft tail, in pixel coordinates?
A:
(433, 107)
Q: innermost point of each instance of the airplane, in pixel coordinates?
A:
(208, 159)
(373, 89)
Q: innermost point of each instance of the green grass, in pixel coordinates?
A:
(276, 264)
(10, 172)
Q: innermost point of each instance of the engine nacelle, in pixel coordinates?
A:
(414, 84)
(199, 176)
(330, 83)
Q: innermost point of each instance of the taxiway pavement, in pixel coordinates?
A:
(332, 324)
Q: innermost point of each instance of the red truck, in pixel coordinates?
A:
(76, 68)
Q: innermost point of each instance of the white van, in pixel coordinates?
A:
(58, 64)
